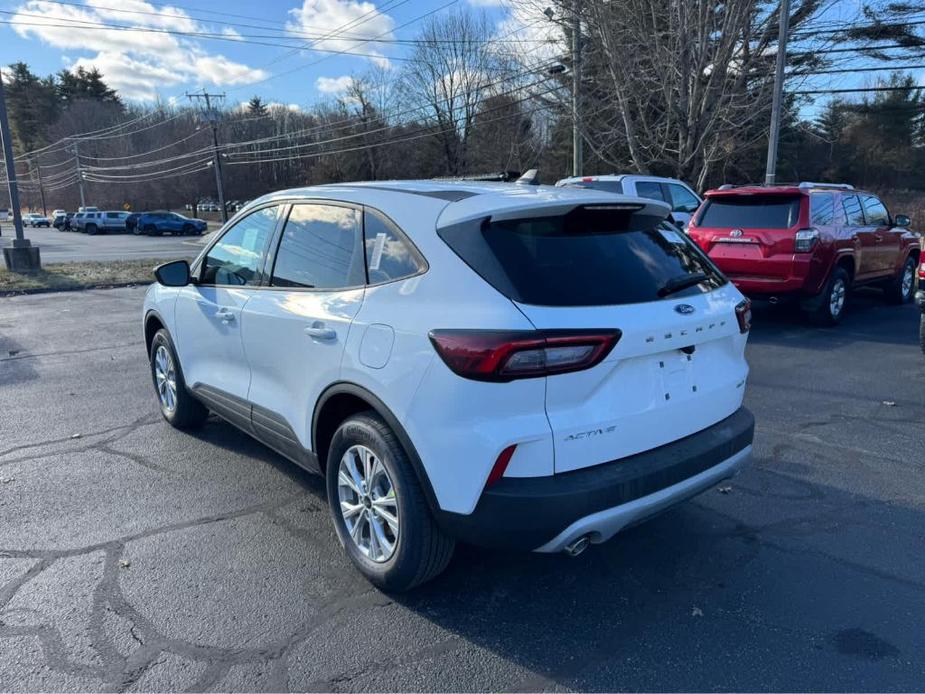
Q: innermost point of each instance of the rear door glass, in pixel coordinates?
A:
(588, 257)
(822, 209)
(682, 200)
(853, 211)
(751, 211)
(651, 190)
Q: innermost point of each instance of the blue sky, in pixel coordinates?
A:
(146, 66)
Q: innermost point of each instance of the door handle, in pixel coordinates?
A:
(317, 331)
(224, 315)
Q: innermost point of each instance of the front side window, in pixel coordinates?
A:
(875, 212)
(853, 211)
(822, 209)
(320, 249)
(682, 200)
(389, 255)
(651, 190)
(236, 258)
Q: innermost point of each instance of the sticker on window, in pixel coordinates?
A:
(378, 246)
(672, 236)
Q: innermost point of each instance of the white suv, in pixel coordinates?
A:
(683, 200)
(515, 366)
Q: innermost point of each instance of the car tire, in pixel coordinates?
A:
(188, 229)
(419, 549)
(901, 288)
(91, 229)
(150, 230)
(177, 404)
(834, 299)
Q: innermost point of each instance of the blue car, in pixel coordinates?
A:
(154, 223)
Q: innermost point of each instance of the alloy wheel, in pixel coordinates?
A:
(165, 376)
(837, 298)
(908, 280)
(368, 504)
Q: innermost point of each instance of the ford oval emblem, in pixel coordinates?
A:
(684, 309)
(735, 233)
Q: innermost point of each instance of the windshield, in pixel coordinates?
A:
(588, 257)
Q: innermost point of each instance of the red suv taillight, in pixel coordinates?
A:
(505, 355)
(744, 316)
(804, 240)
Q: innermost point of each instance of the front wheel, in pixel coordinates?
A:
(178, 406)
(378, 507)
(833, 299)
(902, 287)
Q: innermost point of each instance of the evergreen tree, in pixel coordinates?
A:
(256, 107)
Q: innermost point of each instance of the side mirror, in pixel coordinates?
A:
(902, 220)
(174, 274)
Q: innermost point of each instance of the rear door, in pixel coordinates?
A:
(294, 329)
(678, 366)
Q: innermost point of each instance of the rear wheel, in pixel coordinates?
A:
(902, 287)
(833, 299)
(178, 406)
(378, 508)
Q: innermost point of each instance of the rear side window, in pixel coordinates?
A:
(389, 255)
(822, 209)
(875, 212)
(651, 190)
(320, 249)
(682, 200)
(588, 257)
(751, 211)
(853, 211)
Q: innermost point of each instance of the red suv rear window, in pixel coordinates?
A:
(751, 212)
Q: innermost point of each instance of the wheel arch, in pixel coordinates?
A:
(153, 323)
(343, 399)
(847, 263)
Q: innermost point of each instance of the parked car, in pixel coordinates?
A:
(152, 223)
(34, 219)
(812, 242)
(77, 220)
(86, 218)
(680, 196)
(108, 222)
(58, 221)
(57, 212)
(525, 367)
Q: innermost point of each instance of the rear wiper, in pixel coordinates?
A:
(676, 284)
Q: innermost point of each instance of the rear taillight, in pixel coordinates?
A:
(505, 355)
(744, 316)
(805, 240)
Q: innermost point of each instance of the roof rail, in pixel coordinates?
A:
(500, 176)
(839, 186)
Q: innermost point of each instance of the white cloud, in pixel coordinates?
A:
(530, 34)
(342, 25)
(332, 85)
(134, 63)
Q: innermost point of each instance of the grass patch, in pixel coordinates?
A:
(79, 275)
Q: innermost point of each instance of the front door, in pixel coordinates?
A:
(295, 329)
(208, 312)
(885, 240)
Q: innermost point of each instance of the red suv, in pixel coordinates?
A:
(811, 241)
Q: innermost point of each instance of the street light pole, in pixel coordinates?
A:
(784, 24)
(22, 256)
(80, 174)
(216, 157)
(576, 85)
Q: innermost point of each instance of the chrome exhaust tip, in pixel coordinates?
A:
(576, 547)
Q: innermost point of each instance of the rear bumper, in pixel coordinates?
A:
(547, 513)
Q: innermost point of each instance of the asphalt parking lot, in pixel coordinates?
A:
(134, 557)
(64, 247)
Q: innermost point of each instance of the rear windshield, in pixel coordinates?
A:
(588, 257)
(751, 212)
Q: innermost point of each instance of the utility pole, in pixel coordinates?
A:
(576, 85)
(212, 117)
(771, 170)
(22, 256)
(80, 173)
(38, 172)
